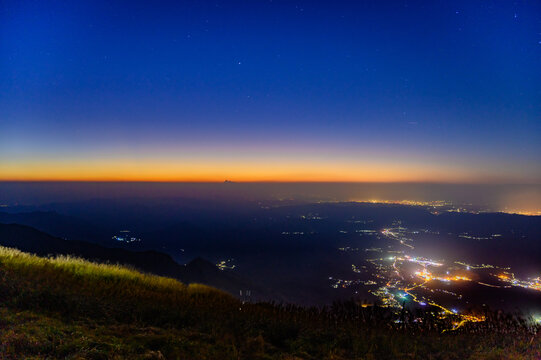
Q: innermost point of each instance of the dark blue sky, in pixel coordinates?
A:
(425, 90)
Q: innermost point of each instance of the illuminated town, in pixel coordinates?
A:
(226, 264)
(125, 237)
(399, 278)
(439, 206)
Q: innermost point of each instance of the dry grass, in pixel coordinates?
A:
(65, 307)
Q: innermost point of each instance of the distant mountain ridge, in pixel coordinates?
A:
(28, 239)
(63, 226)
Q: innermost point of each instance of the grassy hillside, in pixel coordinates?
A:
(31, 240)
(69, 308)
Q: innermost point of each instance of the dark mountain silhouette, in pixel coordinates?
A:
(63, 226)
(28, 239)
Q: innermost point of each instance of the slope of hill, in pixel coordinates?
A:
(34, 241)
(69, 308)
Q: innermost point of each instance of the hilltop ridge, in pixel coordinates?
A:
(199, 270)
(65, 307)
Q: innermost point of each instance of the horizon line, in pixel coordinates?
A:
(228, 181)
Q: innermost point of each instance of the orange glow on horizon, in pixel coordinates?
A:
(203, 170)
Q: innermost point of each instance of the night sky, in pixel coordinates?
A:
(437, 91)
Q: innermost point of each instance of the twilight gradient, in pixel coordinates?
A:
(379, 91)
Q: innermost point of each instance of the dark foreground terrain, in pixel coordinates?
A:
(70, 308)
